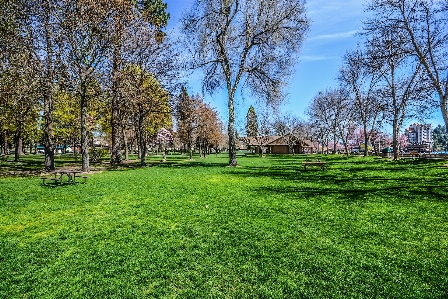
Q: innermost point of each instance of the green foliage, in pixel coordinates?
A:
(366, 228)
(155, 12)
(251, 122)
(97, 154)
(440, 137)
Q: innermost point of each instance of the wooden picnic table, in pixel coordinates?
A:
(320, 164)
(59, 175)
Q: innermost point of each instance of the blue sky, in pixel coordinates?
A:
(334, 24)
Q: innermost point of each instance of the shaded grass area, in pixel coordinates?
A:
(365, 228)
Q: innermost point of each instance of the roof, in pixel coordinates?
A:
(274, 140)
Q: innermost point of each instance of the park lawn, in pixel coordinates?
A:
(365, 228)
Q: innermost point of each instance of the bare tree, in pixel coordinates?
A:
(361, 81)
(188, 112)
(18, 78)
(404, 84)
(346, 117)
(41, 29)
(18, 89)
(86, 40)
(250, 42)
(325, 113)
(423, 25)
(124, 14)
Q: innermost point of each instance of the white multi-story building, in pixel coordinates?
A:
(419, 135)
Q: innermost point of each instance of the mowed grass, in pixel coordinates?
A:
(365, 228)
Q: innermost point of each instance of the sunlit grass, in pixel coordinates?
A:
(365, 228)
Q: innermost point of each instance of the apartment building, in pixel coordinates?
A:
(419, 137)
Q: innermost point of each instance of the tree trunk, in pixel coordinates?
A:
(334, 144)
(142, 146)
(84, 140)
(139, 149)
(444, 105)
(17, 144)
(395, 137)
(231, 131)
(191, 150)
(346, 148)
(48, 94)
(125, 141)
(366, 141)
(164, 155)
(116, 157)
(5, 142)
(48, 131)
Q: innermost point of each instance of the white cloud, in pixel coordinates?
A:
(335, 35)
(316, 58)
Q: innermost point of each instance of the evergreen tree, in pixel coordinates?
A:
(251, 123)
(440, 137)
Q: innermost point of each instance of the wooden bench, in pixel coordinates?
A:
(320, 164)
(58, 175)
(55, 180)
(413, 153)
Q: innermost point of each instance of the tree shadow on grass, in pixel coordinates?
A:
(355, 180)
(429, 192)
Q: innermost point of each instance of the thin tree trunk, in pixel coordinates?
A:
(395, 138)
(48, 94)
(116, 155)
(48, 131)
(125, 141)
(346, 148)
(334, 144)
(84, 140)
(366, 141)
(17, 144)
(5, 142)
(189, 147)
(231, 129)
(142, 139)
(444, 105)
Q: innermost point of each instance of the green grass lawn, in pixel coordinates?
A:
(365, 228)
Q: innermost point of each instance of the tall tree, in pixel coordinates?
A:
(20, 101)
(124, 15)
(324, 116)
(146, 99)
(440, 137)
(208, 127)
(251, 122)
(86, 40)
(19, 80)
(361, 81)
(404, 83)
(187, 119)
(424, 32)
(251, 41)
(42, 31)
(163, 140)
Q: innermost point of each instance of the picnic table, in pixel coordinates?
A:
(318, 163)
(59, 175)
